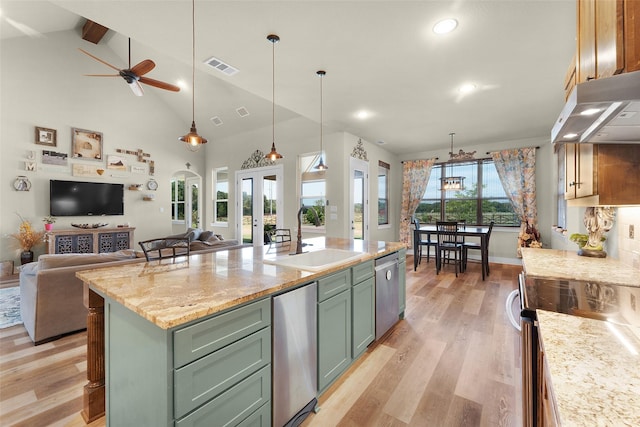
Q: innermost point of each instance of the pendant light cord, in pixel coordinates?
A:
(273, 91)
(321, 145)
(193, 60)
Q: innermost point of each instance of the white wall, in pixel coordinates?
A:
(41, 84)
(295, 137)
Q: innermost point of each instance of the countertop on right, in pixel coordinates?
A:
(568, 265)
(592, 369)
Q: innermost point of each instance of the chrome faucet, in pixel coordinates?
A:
(316, 222)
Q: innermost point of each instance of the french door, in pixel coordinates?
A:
(358, 199)
(259, 194)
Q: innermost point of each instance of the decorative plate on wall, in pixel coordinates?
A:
(22, 183)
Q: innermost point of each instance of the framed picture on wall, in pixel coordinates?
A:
(86, 144)
(116, 162)
(46, 136)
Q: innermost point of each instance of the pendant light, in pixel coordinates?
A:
(451, 183)
(273, 155)
(192, 139)
(321, 166)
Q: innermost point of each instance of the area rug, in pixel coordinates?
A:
(10, 307)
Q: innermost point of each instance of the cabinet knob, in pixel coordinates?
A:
(571, 184)
(590, 78)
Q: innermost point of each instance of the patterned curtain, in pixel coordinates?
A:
(517, 171)
(415, 177)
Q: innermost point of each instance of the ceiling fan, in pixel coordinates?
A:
(134, 75)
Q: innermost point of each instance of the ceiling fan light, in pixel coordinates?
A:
(136, 88)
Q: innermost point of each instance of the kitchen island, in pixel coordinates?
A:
(174, 330)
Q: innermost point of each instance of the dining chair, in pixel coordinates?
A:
(448, 245)
(428, 242)
(477, 246)
(279, 236)
(165, 248)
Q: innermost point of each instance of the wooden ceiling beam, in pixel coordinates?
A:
(93, 32)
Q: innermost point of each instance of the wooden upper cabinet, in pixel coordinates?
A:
(602, 174)
(607, 38)
(632, 35)
(586, 40)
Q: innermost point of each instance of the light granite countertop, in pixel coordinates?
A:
(568, 265)
(171, 293)
(593, 369)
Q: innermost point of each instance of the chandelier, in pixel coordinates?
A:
(451, 183)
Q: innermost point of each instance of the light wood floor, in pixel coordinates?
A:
(453, 361)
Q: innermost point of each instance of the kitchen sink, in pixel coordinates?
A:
(316, 260)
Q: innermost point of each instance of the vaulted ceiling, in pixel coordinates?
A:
(381, 57)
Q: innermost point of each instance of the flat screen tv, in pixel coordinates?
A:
(75, 198)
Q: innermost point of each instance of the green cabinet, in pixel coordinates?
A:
(363, 299)
(215, 371)
(346, 319)
(402, 278)
(334, 337)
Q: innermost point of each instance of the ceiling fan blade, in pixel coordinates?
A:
(98, 59)
(143, 67)
(159, 84)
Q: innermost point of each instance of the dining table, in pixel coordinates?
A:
(467, 231)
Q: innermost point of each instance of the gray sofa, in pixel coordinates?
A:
(51, 300)
(51, 296)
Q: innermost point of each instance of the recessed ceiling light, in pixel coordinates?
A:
(467, 87)
(363, 114)
(445, 26)
(182, 85)
(590, 111)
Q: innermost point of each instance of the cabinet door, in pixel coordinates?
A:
(570, 171)
(609, 37)
(580, 171)
(402, 294)
(363, 305)
(586, 170)
(334, 337)
(632, 35)
(586, 40)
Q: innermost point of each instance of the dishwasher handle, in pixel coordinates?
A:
(386, 265)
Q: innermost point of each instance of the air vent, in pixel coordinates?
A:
(242, 112)
(221, 66)
(216, 120)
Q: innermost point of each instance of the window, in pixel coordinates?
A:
(221, 196)
(177, 199)
(483, 200)
(383, 193)
(312, 188)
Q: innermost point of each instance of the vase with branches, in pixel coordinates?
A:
(27, 238)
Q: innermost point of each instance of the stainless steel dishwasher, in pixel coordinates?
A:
(387, 293)
(295, 360)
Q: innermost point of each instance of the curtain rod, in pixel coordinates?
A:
(489, 152)
(435, 158)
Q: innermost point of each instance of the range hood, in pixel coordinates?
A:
(601, 111)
